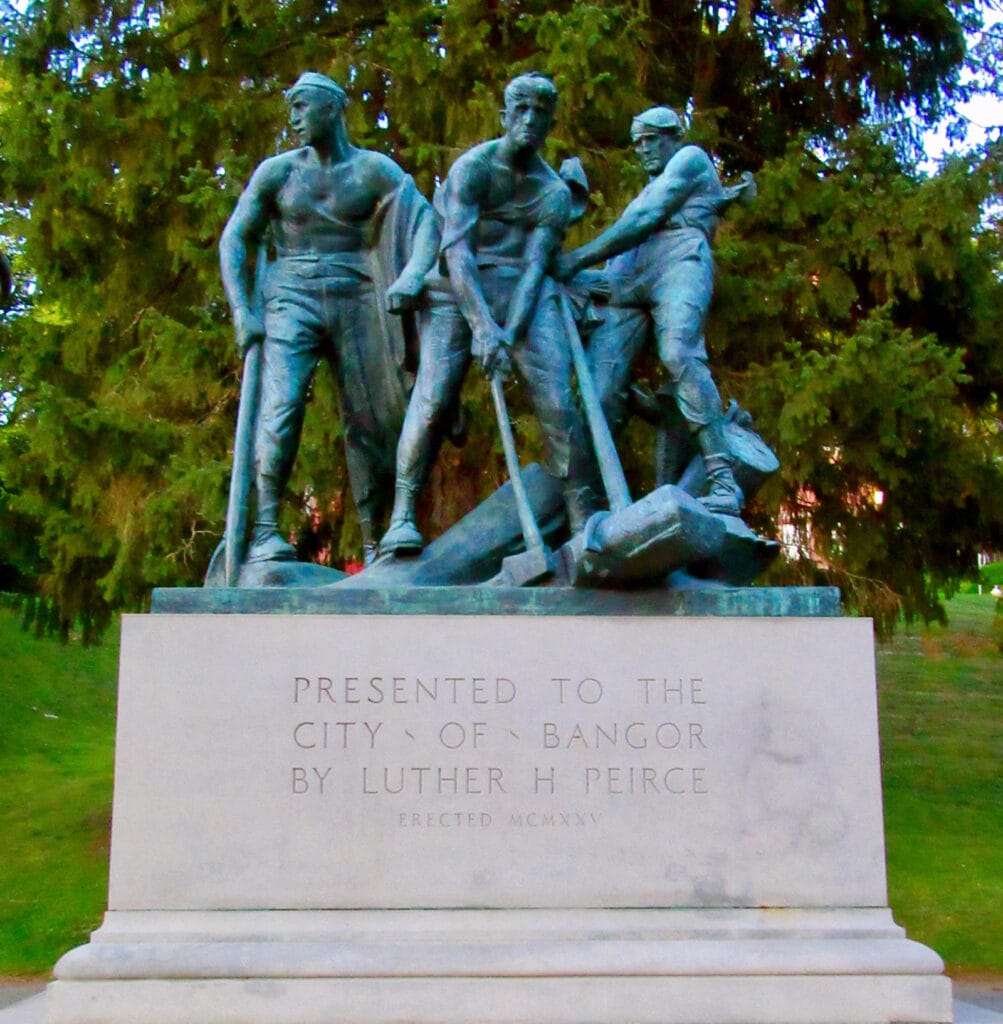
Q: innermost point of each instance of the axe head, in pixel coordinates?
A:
(527, 567)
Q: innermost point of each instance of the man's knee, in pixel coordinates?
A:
(431, 400)
(684, 360)
(442, 365)
(696, 393)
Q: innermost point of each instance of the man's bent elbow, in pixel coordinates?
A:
(229, 243)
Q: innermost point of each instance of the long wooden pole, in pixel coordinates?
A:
(610, 466)
(530, 530)
(242, 471)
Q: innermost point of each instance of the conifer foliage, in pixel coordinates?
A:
(858, 307)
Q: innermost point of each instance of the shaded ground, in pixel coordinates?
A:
(981, 990)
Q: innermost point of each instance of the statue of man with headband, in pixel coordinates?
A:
(661, 275)
(353, 240)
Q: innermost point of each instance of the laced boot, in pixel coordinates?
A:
(370, 549)
(723, 496)
(268, 545)
(403, 535)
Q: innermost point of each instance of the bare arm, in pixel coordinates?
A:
(543, 242)
(462, 209)
(540, 248)
(658, 201)
(425, 248)
(489, 338)
(243, 233)
(402, 293)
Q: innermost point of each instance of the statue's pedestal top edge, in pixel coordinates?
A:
(815, 602)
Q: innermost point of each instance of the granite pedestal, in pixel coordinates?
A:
(553, 816)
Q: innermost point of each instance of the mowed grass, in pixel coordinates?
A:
(57, 732)
(941, 700)
(941, 709)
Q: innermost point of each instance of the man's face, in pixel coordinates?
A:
(654, 148)
(528, 119)
(312, 113)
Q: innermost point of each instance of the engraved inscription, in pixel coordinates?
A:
(435, 750)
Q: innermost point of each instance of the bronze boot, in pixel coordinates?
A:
(723, 495)
(403, 536)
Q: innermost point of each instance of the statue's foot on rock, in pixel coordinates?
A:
(724, 497)
(268, 546)
(402, 538)
(723, 501)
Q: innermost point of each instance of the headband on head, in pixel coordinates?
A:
(315, 80)
(664, 119)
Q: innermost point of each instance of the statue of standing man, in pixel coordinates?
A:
(662, 276)
(504, 212)
(353, 240)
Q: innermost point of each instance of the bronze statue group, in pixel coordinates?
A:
(369, 275)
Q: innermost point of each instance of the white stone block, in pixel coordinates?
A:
(497, 818)
(425, 761)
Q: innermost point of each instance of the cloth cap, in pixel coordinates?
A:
(663, 118)
(315, 80)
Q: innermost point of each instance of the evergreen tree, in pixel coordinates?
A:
(857, 303)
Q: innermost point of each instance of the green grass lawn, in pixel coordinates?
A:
(941, 709)
(57, 731)
(941, 700)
